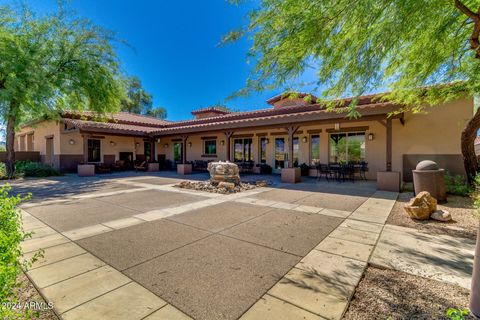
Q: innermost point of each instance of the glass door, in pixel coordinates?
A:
(280, 150)
(177, 152)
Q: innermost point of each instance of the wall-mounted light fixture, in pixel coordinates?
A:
(71, 142)
(370, 136)
(165, 145)
(158, 140)
(222, 142)
(190, 144)
(267, 141)
(137, 144)
(112, 143)
(304, 139)
(337, 126)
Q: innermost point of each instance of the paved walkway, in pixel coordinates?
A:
(138, 248)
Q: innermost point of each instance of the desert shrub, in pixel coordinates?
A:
(35, 169)
(3, 171)
(11, 262)
(457, 185)
(457, 314)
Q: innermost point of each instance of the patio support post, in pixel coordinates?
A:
(153, 155)
(389, 144)
(85, 148)
(184, 151)
(291, 131)
(228, 135)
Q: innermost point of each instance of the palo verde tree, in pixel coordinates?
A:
(140, 101)
(407, 46)
(51, 63)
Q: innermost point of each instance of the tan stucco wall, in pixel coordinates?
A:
(40, 131)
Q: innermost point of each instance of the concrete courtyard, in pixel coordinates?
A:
(135, 247)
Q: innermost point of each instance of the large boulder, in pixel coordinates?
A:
(422, 206)
(223, 172)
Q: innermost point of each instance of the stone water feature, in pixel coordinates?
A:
(224, 178)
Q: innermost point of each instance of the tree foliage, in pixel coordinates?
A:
(51, 63)
(140, 101)
(360, 46)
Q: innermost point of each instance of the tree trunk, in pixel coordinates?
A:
(11, 120)
(468, 147)
(475, 293)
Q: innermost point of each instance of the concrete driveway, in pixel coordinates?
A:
(207, 256)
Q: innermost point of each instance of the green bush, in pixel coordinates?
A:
(457, 314)
(3, 171)
(11, 262)
(35, 169)
(457, 185)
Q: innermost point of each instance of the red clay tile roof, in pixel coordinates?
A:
(214, 109)
(282, 96)
(127, 123)
(120, 117)
(109, 127)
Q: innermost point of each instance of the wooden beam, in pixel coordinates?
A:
(228, 136)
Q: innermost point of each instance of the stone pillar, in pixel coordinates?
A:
(184, 149)
(291, 131)
(389, 144)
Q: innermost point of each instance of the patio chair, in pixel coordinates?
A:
(119, 165)
(103, 168)
(363, 170)
(142, 166)
(326, 171)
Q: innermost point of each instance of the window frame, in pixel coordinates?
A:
(260, 149)
(90, 150)
(205, 153)
(347, 134)
(311, 148)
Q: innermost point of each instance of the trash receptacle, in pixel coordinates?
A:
(427, 176)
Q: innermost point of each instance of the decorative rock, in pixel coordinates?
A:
(224, 171)
(261, 183)
(226, 185)
(427, 165)
(421, 206)
(441, 215)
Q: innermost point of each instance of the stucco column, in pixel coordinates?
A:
(153, 155)
(85, 147)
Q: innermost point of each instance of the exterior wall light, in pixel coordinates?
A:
(71, 142)
(222, 142)
(137, 144)
(190, 144)
(158, 140)
(112, 143)
(165, 145)
(304, 139)
(267, 141)
(370, 137)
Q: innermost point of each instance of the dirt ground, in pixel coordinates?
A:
(28, 294)
(464, 223)
(388, 294)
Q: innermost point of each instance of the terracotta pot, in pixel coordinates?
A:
(475, 294)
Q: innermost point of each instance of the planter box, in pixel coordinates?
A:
(291, 175)
(184, 169)
(388, 181)
(153, 167)
(86, 170)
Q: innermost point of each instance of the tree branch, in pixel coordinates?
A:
(465, 10)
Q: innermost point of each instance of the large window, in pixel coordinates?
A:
(314, 149)
(347, 147)
(263, 150)
(93, 150)
(242, 150)
(210, 147)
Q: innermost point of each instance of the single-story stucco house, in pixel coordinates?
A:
(298, 128)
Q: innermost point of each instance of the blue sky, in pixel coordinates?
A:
(175, 49)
